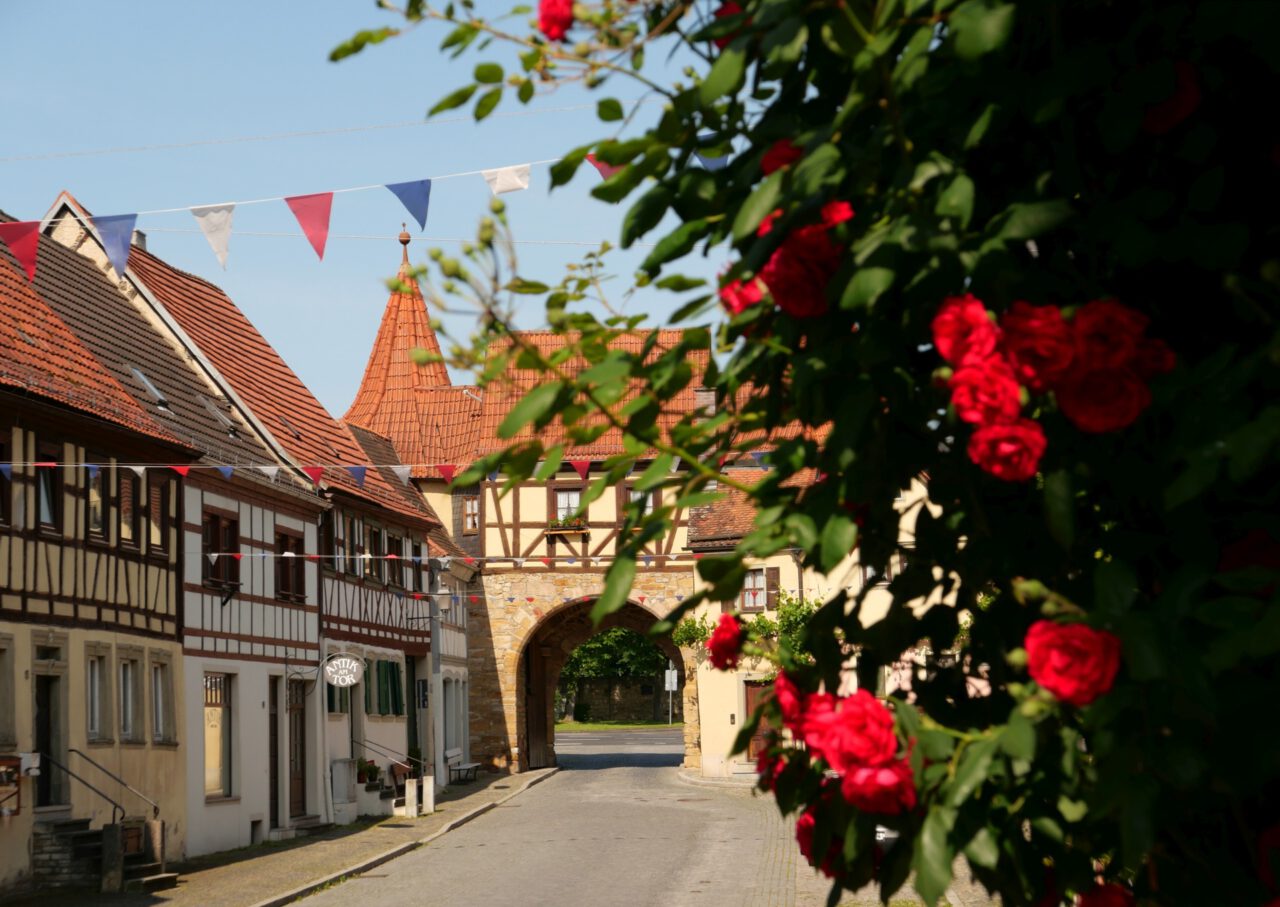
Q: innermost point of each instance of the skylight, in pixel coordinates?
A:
(289, 427)
(219, 415)
(151, 389)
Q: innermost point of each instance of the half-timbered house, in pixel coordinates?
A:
(91, 718)
(250, 618)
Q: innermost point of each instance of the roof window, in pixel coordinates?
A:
(288, 426)
(161, 403)
(220, 416)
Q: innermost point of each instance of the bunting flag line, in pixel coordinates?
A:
(139, 471)
(227, 471)
(606, 170)
(181, 470)
(6, 470)
(92, 469)
(447, 471)
(215, 223)
(269, 471)
(402, 473)
(313, 473)
(312, 213)
(23, 239)
(758, 457)
(581, 467)
(416, 198)
(357, 473)
(507, 179)
(116, 232)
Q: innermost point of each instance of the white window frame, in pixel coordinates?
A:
(565, 509)
(131, 698)
(164, 728)
(98, 692)
(755, 590)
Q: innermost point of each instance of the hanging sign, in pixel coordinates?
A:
(343, 670)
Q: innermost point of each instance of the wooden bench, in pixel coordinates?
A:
(459, 770)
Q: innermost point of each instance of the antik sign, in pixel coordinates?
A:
(343, 670)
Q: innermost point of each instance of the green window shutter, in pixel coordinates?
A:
(399, 688)
(384, 688)
(368, 687)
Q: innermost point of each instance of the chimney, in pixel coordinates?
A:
(140, 240)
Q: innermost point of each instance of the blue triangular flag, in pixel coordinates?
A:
(357, 473)
(227, 471)
(454, 599)
(493, 476)
(415, 196)
(511, 598)
(648, 560)
(416, 560)
(758, 456)
(116, 231)
(571, 560)
(6, 470)
(93, 470)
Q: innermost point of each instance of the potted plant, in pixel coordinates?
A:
(575, 523)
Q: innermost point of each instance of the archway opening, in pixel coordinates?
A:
(590, 690)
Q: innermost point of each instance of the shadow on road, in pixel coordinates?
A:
(573, 762)
(595, 750)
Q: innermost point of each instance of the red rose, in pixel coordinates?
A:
(1162, 117)
(986, 392)
(790, 699)
(766, 223)
(1074, 662)
(554, 18)
(798, 271)
(804, 837)
(962, 330)
(1037, 342)
(1269, 856)
(782, 153)
(1109, 895)
(768, 768)
(737, 296)
(886, 789)
(857, 732)
(728, 8)
(1103, 399)
(725, 644)
(1153, 357)
(1107, 334)
(1011, 452)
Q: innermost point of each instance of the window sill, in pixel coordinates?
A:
(133, 744)
(100, 741)
(165, 744)
(211, 801)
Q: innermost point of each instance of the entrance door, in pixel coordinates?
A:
(536, 707)
(756, 691)
(297, 748)
(47, 736)
(273, 759)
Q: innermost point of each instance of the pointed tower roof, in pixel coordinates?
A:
(427, 419)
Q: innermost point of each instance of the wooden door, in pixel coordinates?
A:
(46, 738)
(756, 691)
(536, 708)
(273, 759)
(297, 702)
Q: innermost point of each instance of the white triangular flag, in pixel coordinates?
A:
(269, 471)
(213, 557)
(402, 473)
(507, 179)
(215, 224)
(139, 471)
(519, 561)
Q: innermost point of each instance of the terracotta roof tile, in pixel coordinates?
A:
(723, 523)
(272, 391)
(40, 355)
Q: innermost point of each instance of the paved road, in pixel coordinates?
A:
(615, 827)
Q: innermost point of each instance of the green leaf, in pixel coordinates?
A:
(488, 73)
(359, 41)
(525, 91)
(526, 287)
(760, 202)
(1115, 586)
(609, 109)
(1029, 220)
(725, 75)
(563, 170)
(657, 473)
(838, 538)
(980, 27)
(1019, 737)
(957, 200)
(675, 244)
(487, 102)
(679, 283)
(974, 765)
(533, 405)
(982, 849)
(1072, 810)
(867, 285)
(453, 99)
(550, 463)
(1059, 508)
(933, 855)
(617, 584)
(644, 215)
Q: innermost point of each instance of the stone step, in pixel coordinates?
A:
(153, 882)
(64, 826)
(138, 870)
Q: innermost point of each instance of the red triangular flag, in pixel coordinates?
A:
(529, 599)
(312, 212)
(237, 555)
(181, 470)
(642, 598)
(474, 599)
(313, 557)
(606, 170)
(314, 473)
(22, 237)
(468, 561)
(447, 471)
(581, 467)
(546, 562)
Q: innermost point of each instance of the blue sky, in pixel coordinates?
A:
(92, 75)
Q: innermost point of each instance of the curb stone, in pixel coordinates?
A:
(400, 850)
(726, 783)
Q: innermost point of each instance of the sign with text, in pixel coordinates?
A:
(672, 681)
(343, 670)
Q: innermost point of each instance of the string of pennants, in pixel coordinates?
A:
(587, 560)
(312, 211)
(358, 472)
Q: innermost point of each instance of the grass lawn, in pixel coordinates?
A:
(568, 727)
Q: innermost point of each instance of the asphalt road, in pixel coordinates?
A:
(615, 827)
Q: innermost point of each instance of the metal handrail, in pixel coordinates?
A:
(115, 807)
(381, 750)
(155, 807)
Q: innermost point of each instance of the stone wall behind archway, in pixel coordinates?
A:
(504, 620)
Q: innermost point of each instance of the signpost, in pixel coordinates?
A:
(343, 670)
(672, 680)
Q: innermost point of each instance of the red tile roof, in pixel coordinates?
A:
(266, 383)
(39, 355)
(724, 523)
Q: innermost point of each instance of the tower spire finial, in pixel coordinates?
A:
(404, 242)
